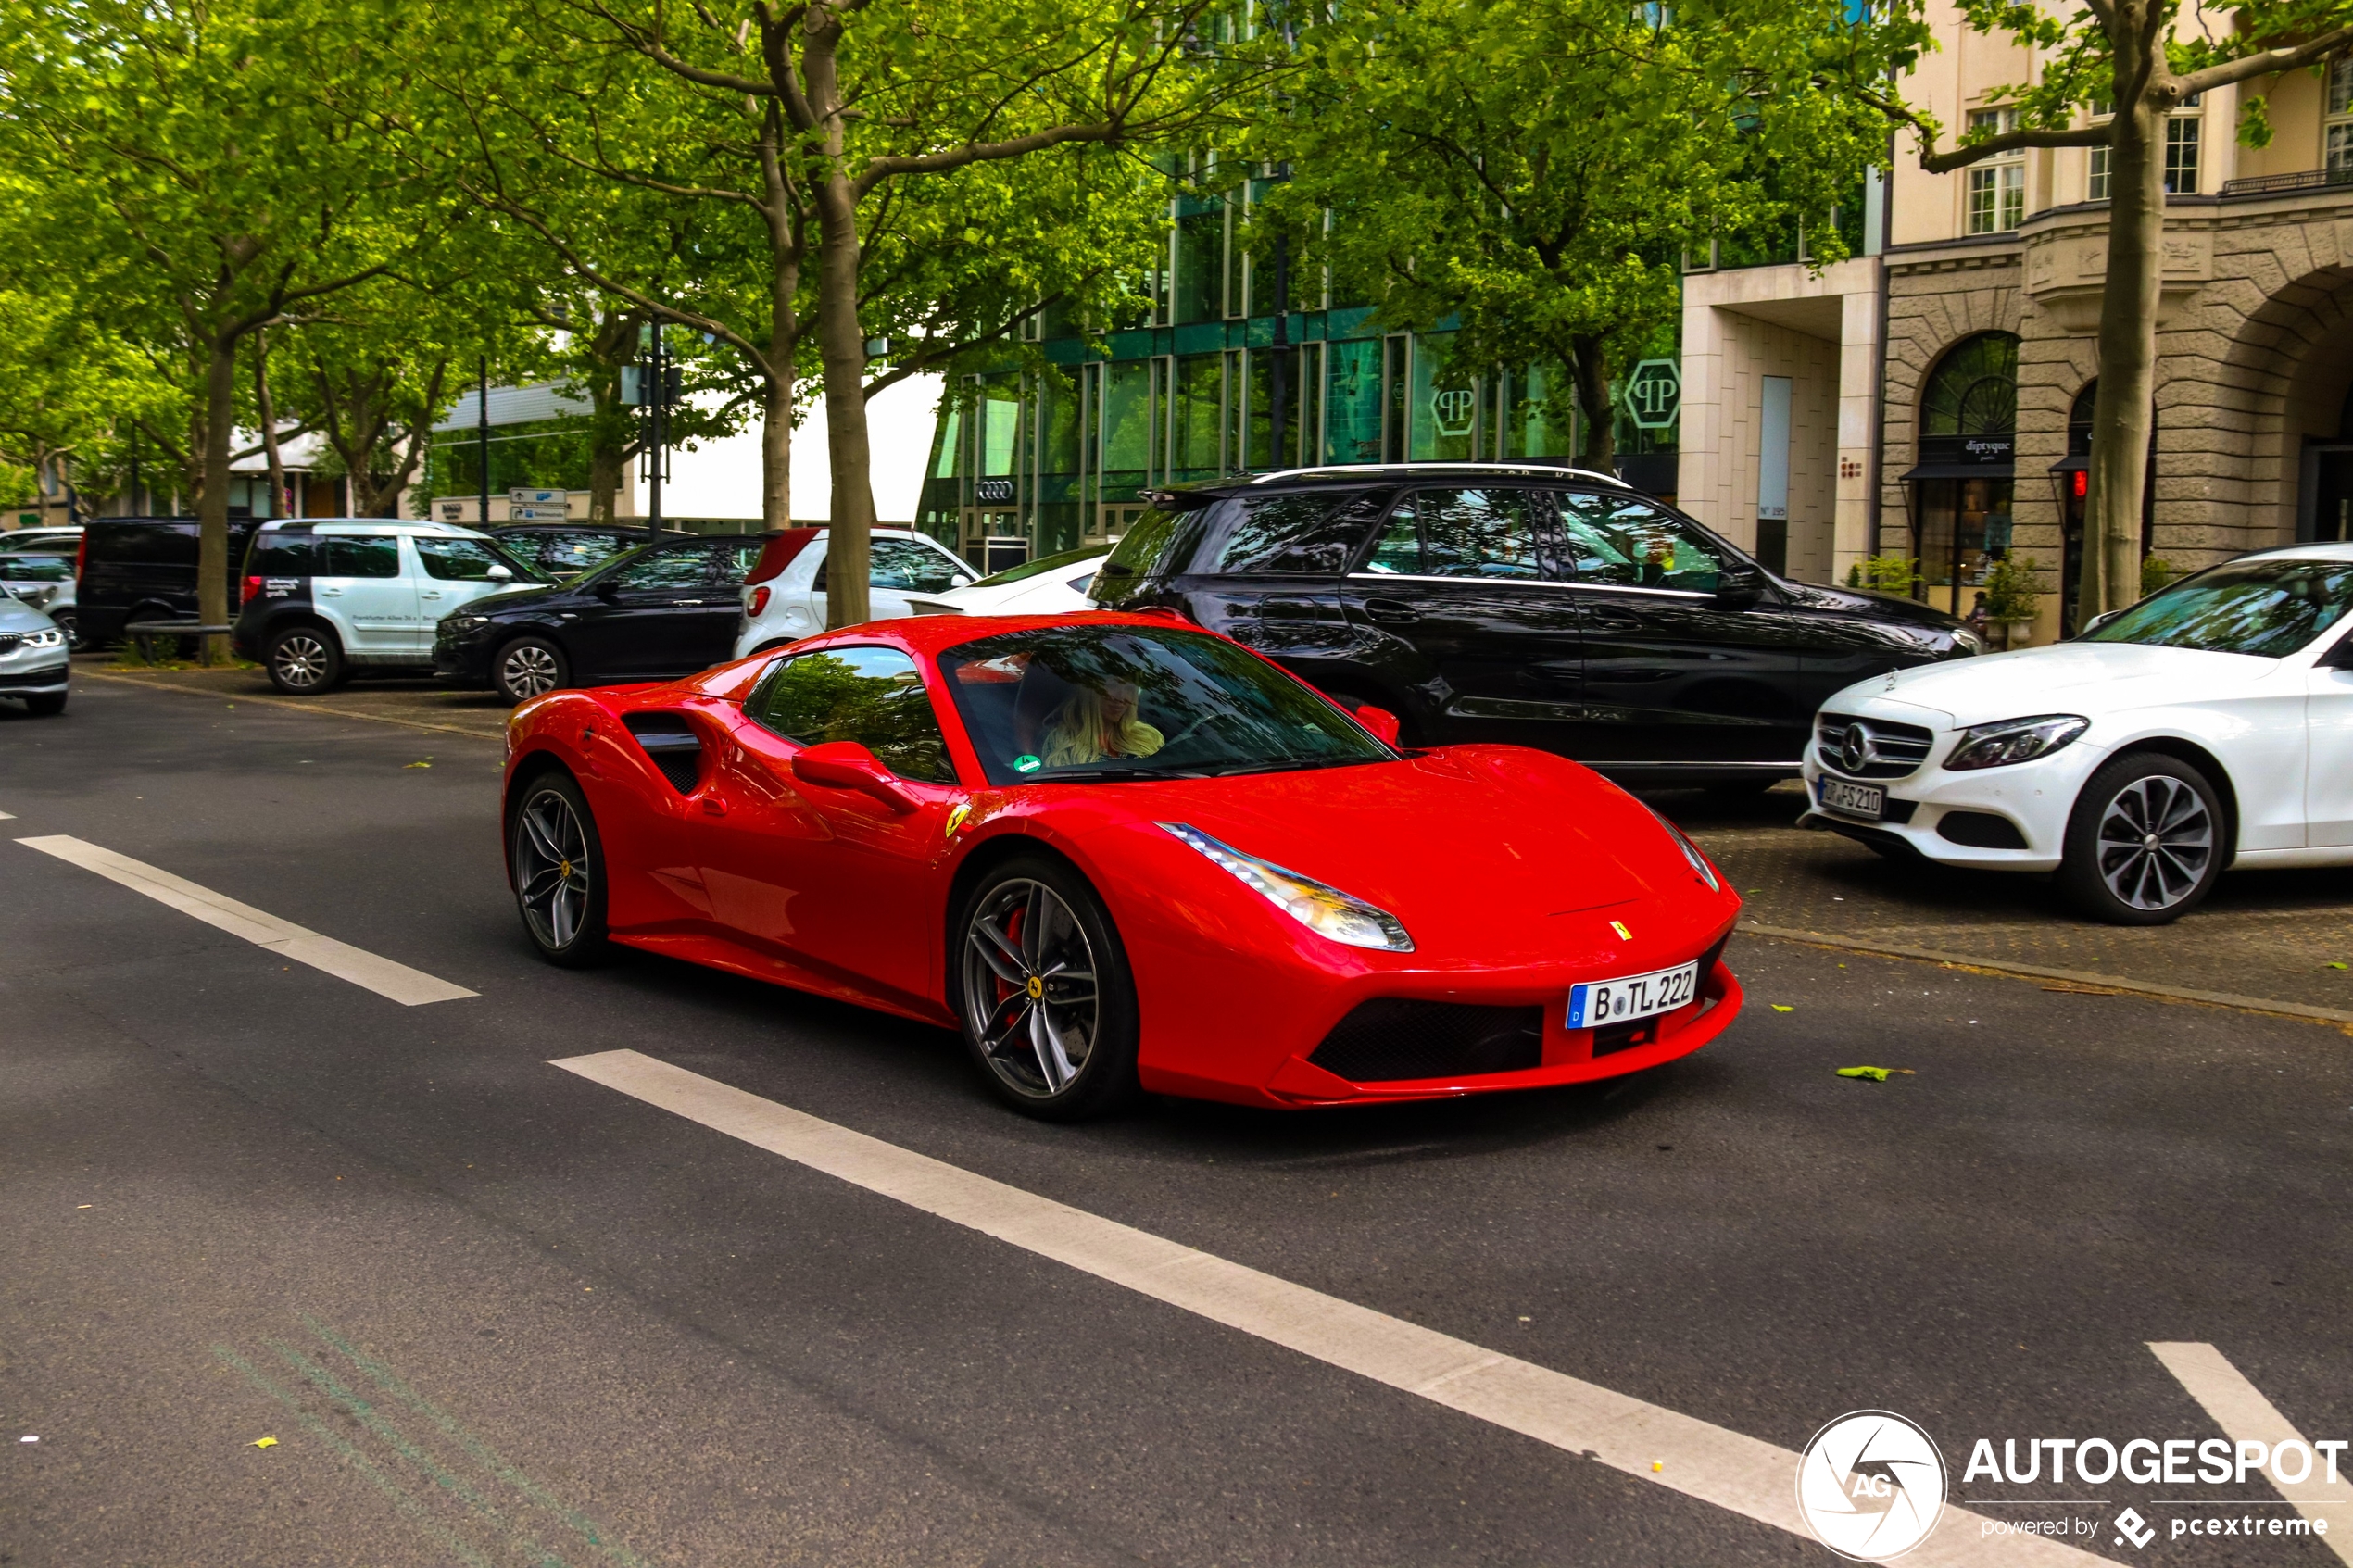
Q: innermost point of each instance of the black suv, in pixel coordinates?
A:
(1540, 607)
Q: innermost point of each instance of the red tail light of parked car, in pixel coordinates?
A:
(252, 590)
(759, 599)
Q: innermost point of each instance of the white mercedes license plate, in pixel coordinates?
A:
(1853, 799)
(1599, 1003)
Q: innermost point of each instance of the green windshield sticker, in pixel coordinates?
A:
(1024, 764)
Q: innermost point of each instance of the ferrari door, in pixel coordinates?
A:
(851, 885)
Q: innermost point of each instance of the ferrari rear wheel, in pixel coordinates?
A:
(556, 861)
(1048, 1004)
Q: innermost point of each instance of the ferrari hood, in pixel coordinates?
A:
(1479, 846)
(2087, 678)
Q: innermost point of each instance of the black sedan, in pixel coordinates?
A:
(1526, 605)
(655, 613)
(567, 549)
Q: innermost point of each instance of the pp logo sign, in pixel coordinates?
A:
(1871, 1485)
(1452, 410)
(1653, 394)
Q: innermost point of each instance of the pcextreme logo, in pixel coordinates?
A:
(1871, 1485)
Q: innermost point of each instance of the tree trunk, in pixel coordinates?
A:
(268, 413)
(775, 453)
(2123, 409)
(1589, 363)
(841, 343)
(611, 424)
(212, 498)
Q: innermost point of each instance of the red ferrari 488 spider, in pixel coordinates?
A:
(1120, 852)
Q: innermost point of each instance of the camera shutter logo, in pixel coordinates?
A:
(1871, 1485)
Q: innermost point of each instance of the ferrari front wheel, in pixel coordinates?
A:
(556, 861)
(1047, 1001)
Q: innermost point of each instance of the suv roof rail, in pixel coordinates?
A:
(1444, 467)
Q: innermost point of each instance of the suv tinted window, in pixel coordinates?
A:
(1628, 542)
(144, 544)
(1157, 545)
(466, 560)
(685, 567)
(362, 554)
(1313, 534)
(1461, 534)
(282, 555)
(874, 696)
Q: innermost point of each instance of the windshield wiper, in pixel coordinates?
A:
(1100, 775)
(1292, 764)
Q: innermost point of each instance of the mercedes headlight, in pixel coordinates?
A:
(49, 638)
(1700, 868)
(1322, 910)
(2014, 740)
(1967, 641)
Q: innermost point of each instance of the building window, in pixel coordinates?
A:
(1997, 187)
(2097, 190)
(2181, 156)
(2340, 131)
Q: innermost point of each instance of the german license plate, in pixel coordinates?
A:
(1853, 799)
(1599, 1003)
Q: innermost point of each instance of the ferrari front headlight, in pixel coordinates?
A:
(1323, 910)
(1700, 868)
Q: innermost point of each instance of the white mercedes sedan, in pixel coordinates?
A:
(2208, 726)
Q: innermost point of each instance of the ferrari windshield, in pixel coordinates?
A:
(1092, 703)
(2268, 608)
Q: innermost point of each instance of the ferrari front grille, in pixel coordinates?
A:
(672, 744)
(1391, 1038)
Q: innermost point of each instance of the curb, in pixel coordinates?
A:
(2037, 972)
(285, 702)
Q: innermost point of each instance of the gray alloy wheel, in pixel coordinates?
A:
(554, 854)
(70, 625)
(2145, 841)
(528, 668)
(1041, 985)
(2156, 840)
(303, 661)
(1030, 999)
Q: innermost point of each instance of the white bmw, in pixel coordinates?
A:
(2208, 726)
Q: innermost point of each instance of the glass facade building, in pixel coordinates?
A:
(1214, 384)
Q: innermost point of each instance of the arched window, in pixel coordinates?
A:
(1973, 391)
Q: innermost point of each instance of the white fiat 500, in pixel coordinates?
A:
(2208, 726)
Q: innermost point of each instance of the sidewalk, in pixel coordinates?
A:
(2262, 935)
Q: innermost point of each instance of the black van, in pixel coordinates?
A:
(1524, 605)
(144, 568)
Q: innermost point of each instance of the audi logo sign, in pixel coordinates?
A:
(993, 490)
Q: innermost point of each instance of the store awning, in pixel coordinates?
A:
(2071, 464)
(1959, 470)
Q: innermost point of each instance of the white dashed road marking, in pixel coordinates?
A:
(1652, 1444)
(410, 987)
(2244, 1415)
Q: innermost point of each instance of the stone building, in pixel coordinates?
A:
(1978, 300)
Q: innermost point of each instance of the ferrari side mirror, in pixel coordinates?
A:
(844, 764)
(1382, 722)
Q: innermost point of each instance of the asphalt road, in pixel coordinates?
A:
(494, 1314)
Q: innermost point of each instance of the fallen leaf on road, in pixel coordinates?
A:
(2332, 966)
(1876, 1074)
(1778, 1008)
(421, 764)
(265, 1442)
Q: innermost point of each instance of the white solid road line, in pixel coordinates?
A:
(2244, 1415)
(410, 987)
(1660, 1446)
